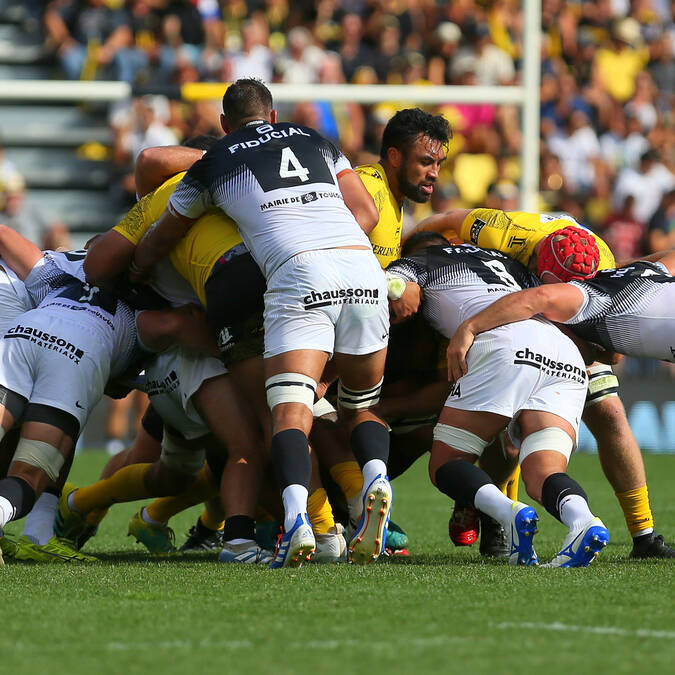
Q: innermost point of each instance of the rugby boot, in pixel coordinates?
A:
(295, 546)
(157, 538)
(66, 550)
(371, 534)
(267, 533)
(492, 539)
(582, 546)
(69, 523)
(519, 535)
(202, 538)
(397, 539)
(331, 546)
(464, 526)
(246, 552)
(651, 545)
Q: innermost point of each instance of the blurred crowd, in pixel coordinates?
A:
(607, 90)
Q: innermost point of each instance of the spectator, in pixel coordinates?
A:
(647, 185)
(89, 35)
(24, 216)
(624, 233)
(661, 235)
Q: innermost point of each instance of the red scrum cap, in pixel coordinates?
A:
(569, 254)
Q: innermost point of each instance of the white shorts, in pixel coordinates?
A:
(54, 362)
(171, 380)
(529, 365)
(11, 304)
(332, 300)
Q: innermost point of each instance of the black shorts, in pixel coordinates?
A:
(235, 302)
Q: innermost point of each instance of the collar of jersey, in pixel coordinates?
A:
(255, 123)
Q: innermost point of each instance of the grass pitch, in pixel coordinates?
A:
(443, 609)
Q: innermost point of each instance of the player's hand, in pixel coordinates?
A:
(456, 353)
(407, 305)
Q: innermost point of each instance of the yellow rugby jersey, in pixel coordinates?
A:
(195, 255)
(386, 236)
(516, 233)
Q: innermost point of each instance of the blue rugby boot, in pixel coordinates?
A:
(519, 535)
(582, 546)
(296, 546)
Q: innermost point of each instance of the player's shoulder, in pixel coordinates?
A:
(373, 172)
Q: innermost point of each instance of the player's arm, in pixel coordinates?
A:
(158, 242)
(19, 254)
(358, 200)
(666, 258)
(405, 280)
(442, 222)
(557, 302)
(108, 257)
(416, 402)
(185, 326)
(156, 165)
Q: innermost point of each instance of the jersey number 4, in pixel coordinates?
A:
(290, 166)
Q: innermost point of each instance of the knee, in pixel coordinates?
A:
(606, 417)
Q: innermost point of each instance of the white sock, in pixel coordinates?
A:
(574, 511)
(146, 518)
(295, 502)
(371, 470)
(491, 500)
(39, 525)
(6, 511)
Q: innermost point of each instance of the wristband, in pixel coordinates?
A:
(396, 288)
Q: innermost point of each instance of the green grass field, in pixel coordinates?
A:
(442, 609)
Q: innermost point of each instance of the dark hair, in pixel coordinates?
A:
(201, 142)
(421, 240)
(247, 97)
(407, 124)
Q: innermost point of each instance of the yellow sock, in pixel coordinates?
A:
(211, 523)
(349, 478)
(512, 485)
(96, 516)
(320, 512)
(636, 510)
(125, 485)
(164, 508)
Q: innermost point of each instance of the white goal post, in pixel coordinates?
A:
(525, 95)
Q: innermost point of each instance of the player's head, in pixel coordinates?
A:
(568, 254)
(246, 100)
(200, 142)
(414, 144)
(421, 240)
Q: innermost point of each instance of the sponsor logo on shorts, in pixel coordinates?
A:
(342, 296)
(568, 371)
(46, 341)
(672, 352)
(477, 226)
(225, 339)
(306, 198)
(164, 385)
(455, 391)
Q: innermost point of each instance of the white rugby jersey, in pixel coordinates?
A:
(60, 294)
(630, 310)
(459, 281)
(279, 183)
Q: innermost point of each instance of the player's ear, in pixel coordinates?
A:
(394, 157)
(273, 117)
(224, 124)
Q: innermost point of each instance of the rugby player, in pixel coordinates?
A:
(325, 292)
(76, 338)
(525, 237)
(506, 386)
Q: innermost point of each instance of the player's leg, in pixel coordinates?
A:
(622, 462)
(359, 389)
(244, 466)
(291, 379)
(460, 437)
(548, 441)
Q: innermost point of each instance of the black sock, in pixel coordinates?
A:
(239, 527)
(555, 488)
(370, 440)
(460, 480)
(20, 495)
(290, 454)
